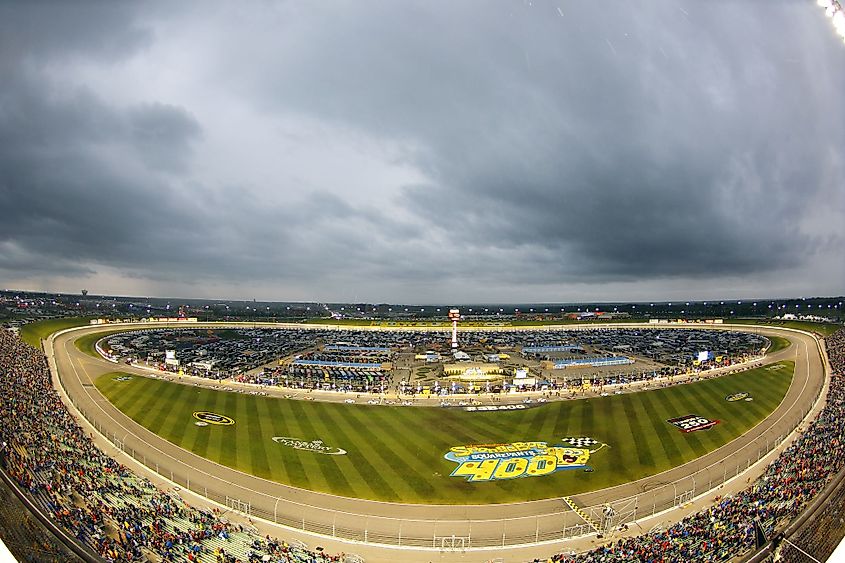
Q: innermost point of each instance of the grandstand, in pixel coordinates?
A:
(109, 510)
(593, 361)
(120, 516)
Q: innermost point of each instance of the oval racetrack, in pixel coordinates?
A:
(432, 526)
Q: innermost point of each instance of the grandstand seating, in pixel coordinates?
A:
(122, 516)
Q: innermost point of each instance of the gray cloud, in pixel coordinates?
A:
(628, 147)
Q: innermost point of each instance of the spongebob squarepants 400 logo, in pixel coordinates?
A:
(491, 462)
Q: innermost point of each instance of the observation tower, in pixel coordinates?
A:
(454, 316)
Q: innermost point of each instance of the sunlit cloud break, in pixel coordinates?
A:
(834, 11)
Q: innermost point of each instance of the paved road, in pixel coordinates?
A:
(426, 525)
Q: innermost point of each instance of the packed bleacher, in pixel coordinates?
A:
(123, 517)
(25, 537)
(726, 529)
(115, 513)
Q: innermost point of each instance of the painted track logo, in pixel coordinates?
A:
(214, 418)
(692, 423)
(314, 446)
(736, 397)
(494, 462)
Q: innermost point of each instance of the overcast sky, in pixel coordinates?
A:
(424, 151)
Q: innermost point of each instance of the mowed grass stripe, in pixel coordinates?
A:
(588, 416)
(317, 470)
(143, 389)
(265, 434)
(360, 471)
(576, 418)
(129, 393)
(162, 410)
(219, 436)
(663, 437)
(274, 427)
(226, 404)
(403, 442)
(307, 477)
(178, 424)
(125, 397)
(462, 425)
(403, 439)
(635, 430)
(249, 429)
(315, 430)
(547, 423)
(291, 465)
(366, 452)
(392, 466)
(202, 437)
(446, 428)
(562, 422)
(386, 443)
(619, 437)
(143, 408)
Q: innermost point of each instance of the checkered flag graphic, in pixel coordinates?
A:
(580, 442)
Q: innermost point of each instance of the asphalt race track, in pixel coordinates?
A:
(440, 527)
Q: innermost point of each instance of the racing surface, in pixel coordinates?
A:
(436, 526)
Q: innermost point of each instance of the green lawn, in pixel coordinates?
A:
(32, 333)
(824, 329)
(778, 343)
(86, 344)
(397, 453)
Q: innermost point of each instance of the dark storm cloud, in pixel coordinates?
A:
(551, 142)
(639, 141)
(43, 31)
(162, 135)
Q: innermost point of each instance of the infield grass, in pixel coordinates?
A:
(778, 343)
(396, 453)
(32, 333)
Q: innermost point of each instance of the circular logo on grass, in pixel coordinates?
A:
(213, 418)
(736, 397)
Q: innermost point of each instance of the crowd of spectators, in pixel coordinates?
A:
(123, 517)
(96, 500)
(727, 528)
(25, 537)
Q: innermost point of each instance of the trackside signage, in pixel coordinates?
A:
(313, 446)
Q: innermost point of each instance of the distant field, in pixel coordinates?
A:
(447, 324)
(32, 333)
(824, 329)
(397, 453)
